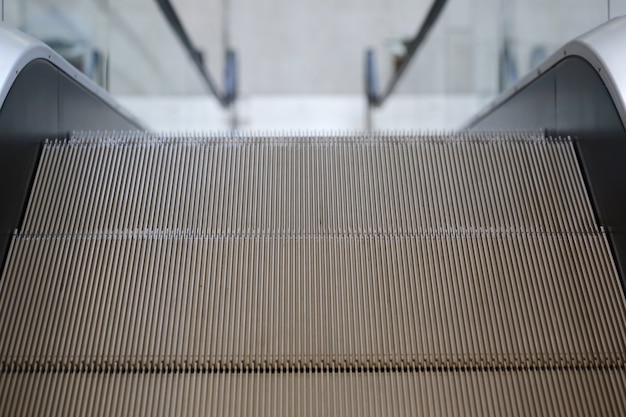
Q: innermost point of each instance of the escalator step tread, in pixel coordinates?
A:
(310, 268)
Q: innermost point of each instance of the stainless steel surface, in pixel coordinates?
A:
(18, 49)
(601, 47)
(393, 274)
(309, 185)
(477, 393)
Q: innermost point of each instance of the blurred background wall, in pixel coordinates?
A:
(301, 62)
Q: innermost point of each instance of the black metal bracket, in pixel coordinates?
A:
(225, 97)
(375, 99)
(371, 78)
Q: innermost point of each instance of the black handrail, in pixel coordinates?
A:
(225, 98)
(374, 98)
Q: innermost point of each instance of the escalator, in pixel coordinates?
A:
(478, 272)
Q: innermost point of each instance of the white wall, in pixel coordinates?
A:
(334, 113)
(301, 61)
(317, 46)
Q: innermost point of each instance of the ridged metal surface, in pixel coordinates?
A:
(308, 185)
(421, 301)
(541, 393)
(466, 261)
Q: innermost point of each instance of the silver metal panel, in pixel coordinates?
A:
(602, 47)
(18, 49)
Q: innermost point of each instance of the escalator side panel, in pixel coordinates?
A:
(29, 114)
(532, 108)
(43, 102)
(586, 111)
(571, 99)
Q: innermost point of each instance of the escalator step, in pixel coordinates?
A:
(384, 274)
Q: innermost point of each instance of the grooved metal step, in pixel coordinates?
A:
(308, 270)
